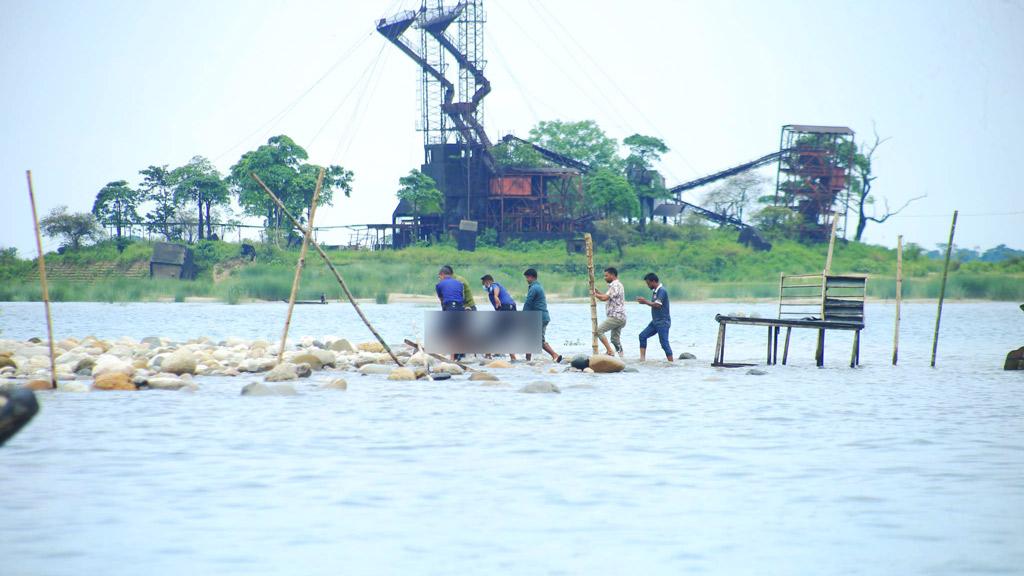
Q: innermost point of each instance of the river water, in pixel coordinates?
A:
(673, 469)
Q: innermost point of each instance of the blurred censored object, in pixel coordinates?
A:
(483, 332)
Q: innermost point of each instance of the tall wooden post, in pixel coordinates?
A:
(299, 265)
(942, 290)
(831, 245)
(330, 266)
(899, 298)
(42, 279)
(593, 299)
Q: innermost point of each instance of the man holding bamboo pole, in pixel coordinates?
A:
(615, 312)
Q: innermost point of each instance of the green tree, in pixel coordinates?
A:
(736, 194)
(200, 183)
(516, 154)
(863, 178)
(116, 205)
(644, 152)
(421, 192)
(158, 188)
(280, 163)
(612, 195)
(72, 228)
(583, 141)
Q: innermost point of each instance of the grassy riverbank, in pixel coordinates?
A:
(697, 264)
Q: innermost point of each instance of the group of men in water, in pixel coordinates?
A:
(455, 295)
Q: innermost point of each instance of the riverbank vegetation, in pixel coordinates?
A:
(696, 261)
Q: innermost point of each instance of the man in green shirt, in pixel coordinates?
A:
(537, 301)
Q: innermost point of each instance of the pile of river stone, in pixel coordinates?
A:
(157, 363)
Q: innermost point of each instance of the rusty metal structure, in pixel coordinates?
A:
(813, 177)
(446, 42)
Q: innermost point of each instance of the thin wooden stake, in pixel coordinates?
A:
(831, 245)
(593, 299)
(42, 279)
(942, 290)
(299, 265)
(899, 298)
(330, 266)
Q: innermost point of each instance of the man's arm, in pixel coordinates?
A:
(493, 297)
(600, 296)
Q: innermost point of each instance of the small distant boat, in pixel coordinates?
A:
(309, 301)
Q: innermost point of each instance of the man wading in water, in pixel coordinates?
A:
(499, 297)
(536, 301)
(660, 318)
(615, 311)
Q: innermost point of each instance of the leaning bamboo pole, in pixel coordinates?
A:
(330, 265)
(42, 279)
(899, 298)
(300, 264)
(593, 299)
(942, 290)
(831, 245)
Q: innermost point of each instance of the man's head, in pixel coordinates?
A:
(445, 272)
(652, 280)
(487, 280)
(610, 274)
(531, 275)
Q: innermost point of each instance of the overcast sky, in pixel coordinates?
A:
(94, 91)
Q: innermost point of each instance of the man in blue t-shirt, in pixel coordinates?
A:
(449, 291)
(661, 320)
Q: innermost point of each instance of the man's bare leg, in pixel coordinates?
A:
(607, 347)
(643, 354)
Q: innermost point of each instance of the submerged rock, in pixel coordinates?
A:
(402, 374)
(166, 383)
(374, 369)
(261, 389)
(604, 364)
(580, 362)
(449, 368)
(303, 370)
(686, 356)
(498, 364)
(540, 388)
(38, 385)
(338, 384)
(483, 377)
(756, 372)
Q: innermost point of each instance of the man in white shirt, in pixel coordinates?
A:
(615, 311)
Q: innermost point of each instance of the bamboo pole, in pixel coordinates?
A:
(330, 265)
(299, 265)
(831, 245)
(899, 298)
(42, 279)
(593, 299)
(942, 290)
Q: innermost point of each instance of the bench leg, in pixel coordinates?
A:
(853, 349)
(775, 345)
(720, 345)
(769, 362)
(819, 353)
(785, 347)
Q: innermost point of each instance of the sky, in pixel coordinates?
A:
(94, 91)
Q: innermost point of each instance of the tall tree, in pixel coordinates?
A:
(72, 228)
(583, 141)
(644, 152)
(116, 205)
(199, 182)
(421, 192)
(158, 188)
(280, 163)
(736, 194)
(860, 186)
(612, 195)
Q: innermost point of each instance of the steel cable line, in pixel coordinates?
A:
(367, 72)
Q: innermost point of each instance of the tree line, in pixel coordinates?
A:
(186, 202)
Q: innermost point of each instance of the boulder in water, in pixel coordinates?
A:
(38, 385)
(498, 364)
(341, 345)
(375, 347)
(604, 364)
(261, 389)
(113, 381)
(107, 364)
(580, 362)
(6, 361)
(1014, 360)
(308, 358)
(339, 384)
(374, 369)
(303, 370)
(483, 377)
(756, 372)
(179, 362)
(686, 356)
(282, 372)
(540, 388)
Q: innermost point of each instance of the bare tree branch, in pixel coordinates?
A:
(891, 213)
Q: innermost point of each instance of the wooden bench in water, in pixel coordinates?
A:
(820, 302)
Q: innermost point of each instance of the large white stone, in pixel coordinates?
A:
(107, 364)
